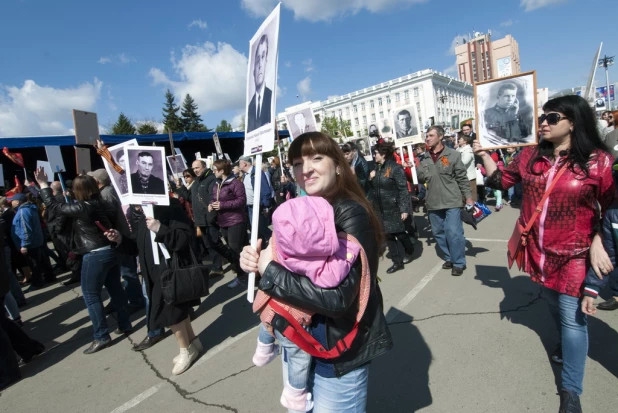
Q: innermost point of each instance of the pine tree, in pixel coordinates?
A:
(224, 126)
(191, 120)
(170, 114)
(123, 126)
(147, 129)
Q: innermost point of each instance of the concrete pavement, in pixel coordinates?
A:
(476, 343)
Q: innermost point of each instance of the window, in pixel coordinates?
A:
(373, 117)
(381, 115)
(340, 112)
(358, 133)
(371, 104)
(317, 118)
(355, 108)
(379, 101)
(364, 120)
(362, 106)
(388, 99)
(406, 95)
(347, 110)
(356, 122)
(418, 109)
(397, 97)
(332, 113)
(415, 92)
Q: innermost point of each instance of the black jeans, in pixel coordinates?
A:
(213, 244)
(21, 343)
(236, 238)
(40, 265)
(399, 245)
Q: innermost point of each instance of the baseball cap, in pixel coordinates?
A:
(100, 175)
(18, 197)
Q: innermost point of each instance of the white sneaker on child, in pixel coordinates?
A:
(296, 399)
(265, 353)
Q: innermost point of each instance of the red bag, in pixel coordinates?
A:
(519, 239)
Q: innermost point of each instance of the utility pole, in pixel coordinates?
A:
(606, 62)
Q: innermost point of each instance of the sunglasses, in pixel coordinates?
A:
(552, 118)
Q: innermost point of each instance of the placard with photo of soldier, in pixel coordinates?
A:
(300, 120)
(147, 176)
(406, 124)
(120, 181)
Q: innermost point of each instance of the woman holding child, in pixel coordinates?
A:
(563, 245)
(338, 384)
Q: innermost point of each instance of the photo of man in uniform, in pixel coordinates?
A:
(300, 125)
(508, 119)
(142, 180)
(404, 126)
(259, 112)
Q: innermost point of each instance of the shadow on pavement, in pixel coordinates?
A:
(399, 379)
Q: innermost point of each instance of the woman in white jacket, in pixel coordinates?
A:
(467, 157)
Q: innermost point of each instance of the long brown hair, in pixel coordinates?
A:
(346, 186)
(85, 188)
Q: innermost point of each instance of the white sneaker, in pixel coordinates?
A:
(198, 347)
(186, 357)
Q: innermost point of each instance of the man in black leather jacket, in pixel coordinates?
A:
(338, 305)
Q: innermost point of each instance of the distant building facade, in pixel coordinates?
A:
(482, 58)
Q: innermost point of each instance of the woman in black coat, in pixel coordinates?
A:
(173, 229)
(392, 203)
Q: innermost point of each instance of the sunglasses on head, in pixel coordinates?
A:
(552, 118)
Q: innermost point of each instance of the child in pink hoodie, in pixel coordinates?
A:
(305, 242)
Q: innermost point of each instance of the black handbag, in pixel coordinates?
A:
(180, 285)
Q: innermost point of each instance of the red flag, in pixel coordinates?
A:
(15, 157)
(18, 189)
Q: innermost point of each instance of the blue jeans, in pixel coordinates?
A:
(515, 192)
(103, 268)
(346, 394)
(298, 361)
(130, 280)
(448, 231)
(151, 333)
(573, 327)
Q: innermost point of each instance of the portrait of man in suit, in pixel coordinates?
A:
(259, 112)
(300, 125)
(405, 126)
(142, 180)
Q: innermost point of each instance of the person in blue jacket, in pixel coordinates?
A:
(27, 235)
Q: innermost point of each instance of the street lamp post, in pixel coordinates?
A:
(606, 62)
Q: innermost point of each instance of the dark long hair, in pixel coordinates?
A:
(346, 186)
(386, 149)
(585, 138)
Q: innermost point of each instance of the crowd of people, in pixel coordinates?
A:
(326, 217)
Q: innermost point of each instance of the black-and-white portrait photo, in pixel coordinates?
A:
(373, 130)
(506, 111)
(405, 120)
(364, 148)
(147, 172)
(300, 121)
(120, 181)
(177, 164)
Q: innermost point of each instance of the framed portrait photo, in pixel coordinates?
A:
(119, 181)
(506, 111)
(407, 129)
(300, 120)
(146, 175)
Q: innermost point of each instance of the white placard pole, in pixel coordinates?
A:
(257, 186)
(411, 158)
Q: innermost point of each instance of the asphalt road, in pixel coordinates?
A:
(476, 343)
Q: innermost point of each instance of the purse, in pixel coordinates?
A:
(180, 285)
(516, 251)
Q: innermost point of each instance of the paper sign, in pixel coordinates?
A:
(198, 155)
(86, 127)
(48, 169)
(215, 138)
(227, 157)
(54, 157)
(149, 212)
(82, 158)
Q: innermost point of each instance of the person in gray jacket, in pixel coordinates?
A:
(446, 178)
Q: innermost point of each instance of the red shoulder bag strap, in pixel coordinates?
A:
(299, 336)
(539, 207)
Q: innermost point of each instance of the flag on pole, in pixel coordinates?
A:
(18, 189)
(15, 157)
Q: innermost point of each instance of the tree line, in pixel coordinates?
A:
(185, 118)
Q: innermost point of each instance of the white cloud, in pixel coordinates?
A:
(459, 39)
(237, 120)
(507, 23)
(308, 65)
(451, 70)
(158, 125)
(110, 100)
(304, 87)
(280, 91)
(530, 5)
(104, 60)
(214, 75)
(331, 97)
(198, 23)
(122, 58)
(316, 10)
(288, 64)
(33, 110)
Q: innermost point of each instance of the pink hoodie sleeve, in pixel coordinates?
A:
(336, 267)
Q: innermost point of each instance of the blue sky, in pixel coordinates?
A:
(111, 56)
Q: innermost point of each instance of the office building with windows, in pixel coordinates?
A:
(436, 96)
(482, 58)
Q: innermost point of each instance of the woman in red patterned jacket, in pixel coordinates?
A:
(563, 242)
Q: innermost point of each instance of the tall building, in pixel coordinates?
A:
(482, 58)
(434, 94)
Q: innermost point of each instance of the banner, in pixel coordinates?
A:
(14, 156)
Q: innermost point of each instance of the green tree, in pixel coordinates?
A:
(333, 126)
(191, 120)
(224, 126)
(170, 114)
(123, 126)
(147, 128)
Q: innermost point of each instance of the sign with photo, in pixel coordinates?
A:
(260, 115)
(363, 145)
(146, 175)
(177, 165)
(506, 111)
(300, 120)
(120, 181)
(407, 129)
(455, 122)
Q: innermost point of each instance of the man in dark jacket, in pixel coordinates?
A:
(358, 163)
(200, 199)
